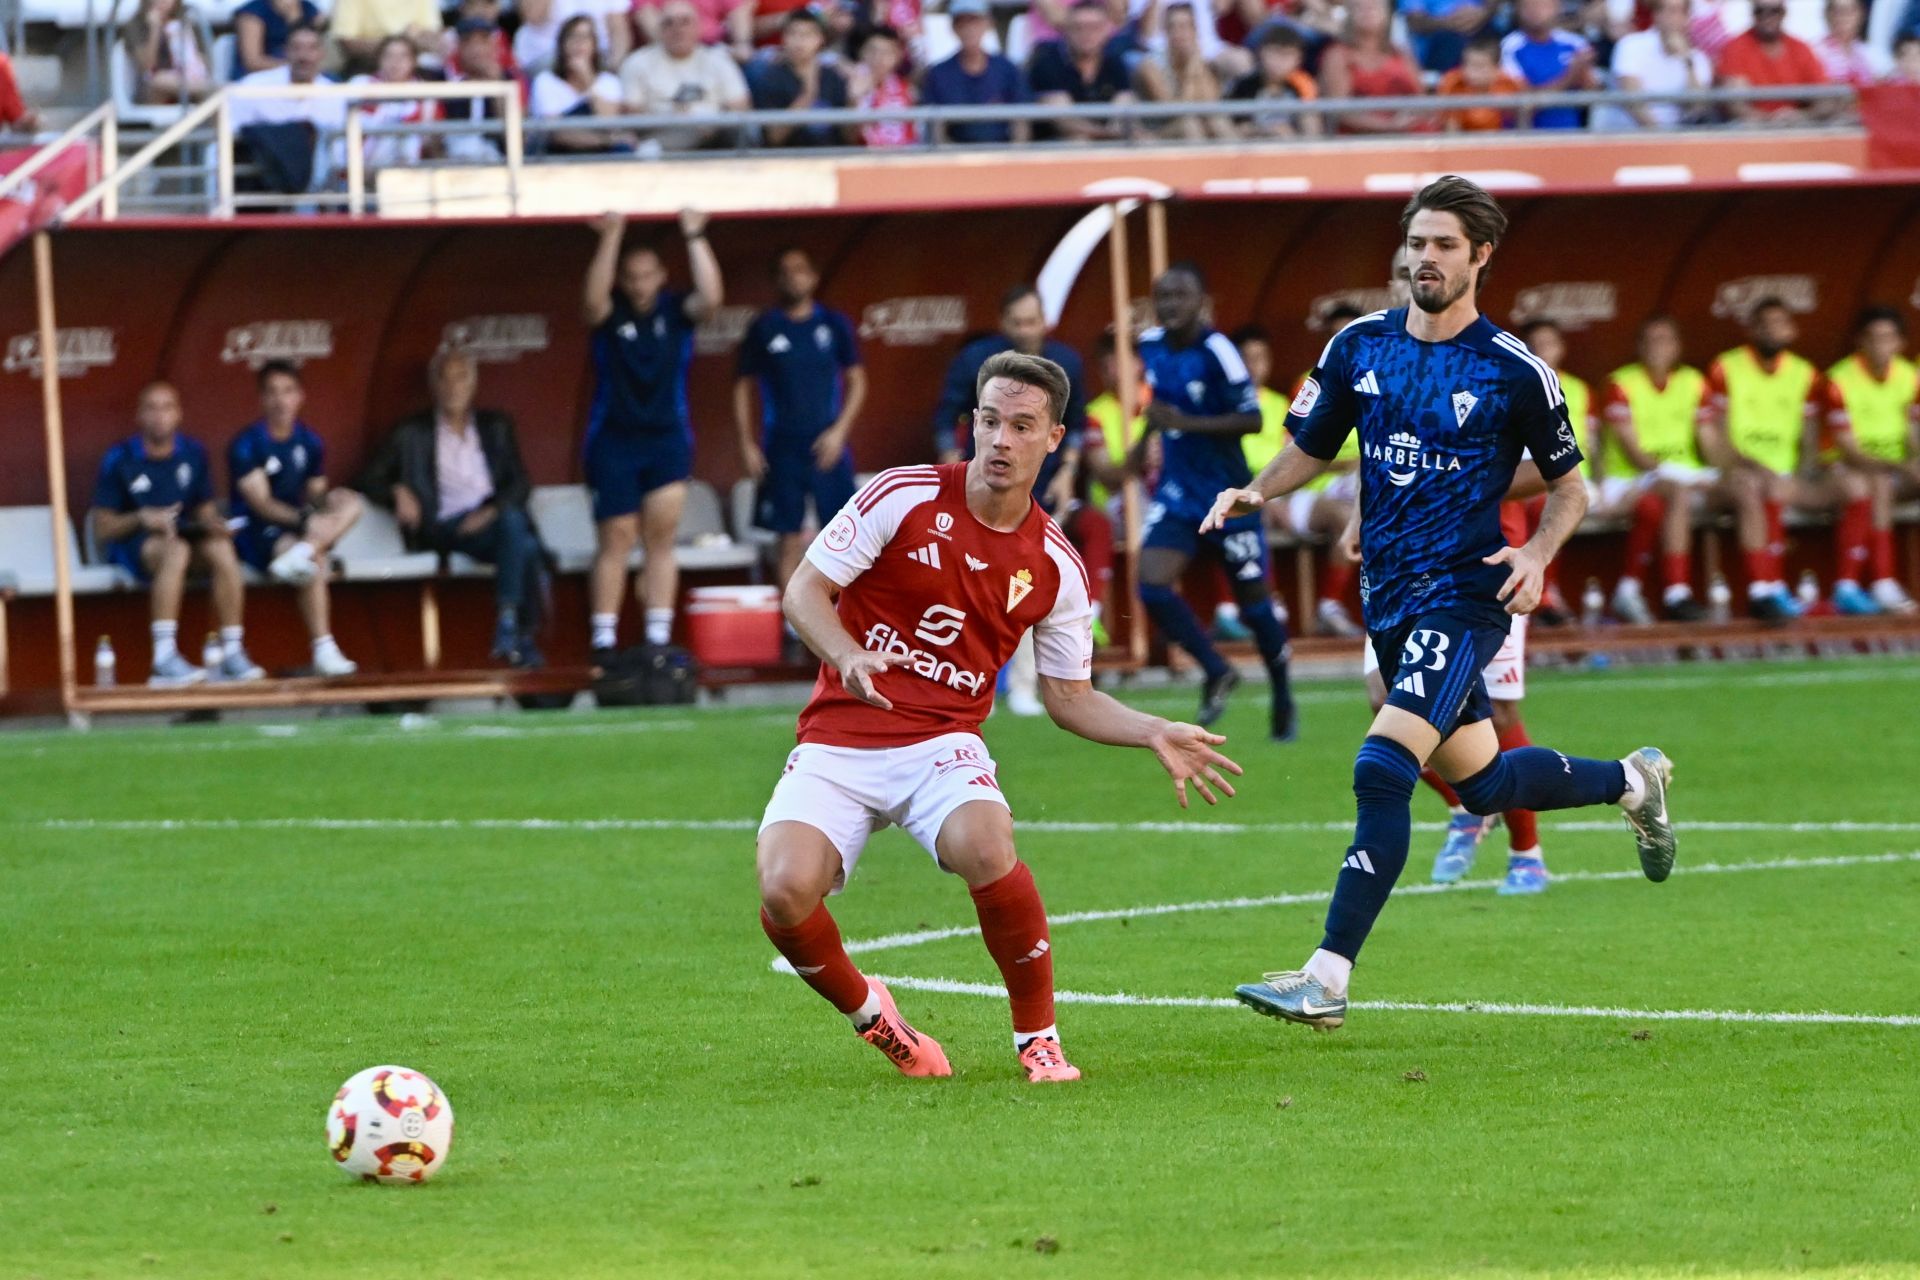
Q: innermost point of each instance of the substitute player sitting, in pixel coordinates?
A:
(1445, 403)
(913, 597)
(1873, 411)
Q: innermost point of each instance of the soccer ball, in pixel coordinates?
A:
(389, 1124)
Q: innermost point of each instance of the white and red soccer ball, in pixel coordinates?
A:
(389, 1124)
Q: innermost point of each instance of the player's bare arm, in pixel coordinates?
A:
(254, 488)
(1290, 468)
(596, 302)
(1162, 416)
(709, 290)
(1185, 751)
(1566, 507)
(1527, 482)
(808, 604)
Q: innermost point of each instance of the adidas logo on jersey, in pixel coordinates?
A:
(1411, 683)
(1368, 384)
(975, 565)
(1359, 861)
(928, 555)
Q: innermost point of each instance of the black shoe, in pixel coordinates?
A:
(1771, 609)
(529, 657)
(1213, 698)
(506, 642)
(1685, 609)
(602, 656)
(1285, 727)
(1552, 610)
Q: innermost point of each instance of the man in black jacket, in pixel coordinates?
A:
(455, 482)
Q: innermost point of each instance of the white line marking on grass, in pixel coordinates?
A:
(948, 986)
(276, 736)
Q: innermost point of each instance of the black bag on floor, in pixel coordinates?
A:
(648, 675)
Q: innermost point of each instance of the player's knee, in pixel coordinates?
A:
(345, 505)
(1384, 771)
(1488, 791)
(788, 892)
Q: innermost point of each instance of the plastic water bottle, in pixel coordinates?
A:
(103, 663)
(1592, 601)
(1808, 592)
(211, 654)
(1719, 599)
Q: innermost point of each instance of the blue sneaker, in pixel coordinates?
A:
(1524, 875)
(1851, 598)
(1228, 629)
(1464, 834)
(1294, 996)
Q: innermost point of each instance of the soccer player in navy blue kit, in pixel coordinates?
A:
(286, 519)
(154, 516)
(803, 360)
(639, 431)
(1444, 403)
(1204, 404)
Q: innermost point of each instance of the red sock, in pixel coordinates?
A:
(1677, 569)
(1523, 829)
(1013, 921)
(1882, 554)
(1851, 534)
(813, 948)
(1439, 784)
(1759, 566)
(1643, 534)
(1335, 581)
(1776, 534)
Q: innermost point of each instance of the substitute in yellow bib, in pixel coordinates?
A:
(1757, 429)
(1645, 466)
(1873, 422)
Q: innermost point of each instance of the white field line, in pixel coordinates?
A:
(919, 937)
(1044, 827)
(948, 986)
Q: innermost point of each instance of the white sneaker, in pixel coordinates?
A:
(1022, 703)
(1335, 620)
(174, 672)
(1892, 597)
(331, 662)
(296, 565)
(1630, 606)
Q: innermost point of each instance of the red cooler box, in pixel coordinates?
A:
(734, 626)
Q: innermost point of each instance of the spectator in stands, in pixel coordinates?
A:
(1442, 29)
(1279, 74)
(723, 24)
(397, 63)
(1149, 29)
(1873, 413)
(362, 27)
(1846, 58)
(678, 74)
(1366, 63)
(260, 30)
(798, 80)
(878, 81)
(1661, 59)
(1906, 60)
(287, 136)
(1176, 72)
(1756, 430)
(1479, 72)
(154, 516)
(477, 59)
(1766, 55)
(170, 58)
(536, 45)
(487, 14)
(803, 361)
(578, 87)
(639, 438)
(14, 111)
(1081, 68)
(1643, 465)
(454, 479)
(974, 77)
(1317, 21)
(1542, 55)
(286, 519)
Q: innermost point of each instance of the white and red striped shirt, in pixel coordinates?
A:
(920, 575)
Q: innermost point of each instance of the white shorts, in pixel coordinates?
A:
(1506, 675)
(1611, 492)
(848, 793)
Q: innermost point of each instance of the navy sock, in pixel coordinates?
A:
(1541, 778)
(1270, 634)
(1175, 618)
(1384, 774)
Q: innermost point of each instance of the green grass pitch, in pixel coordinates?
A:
(203, 931)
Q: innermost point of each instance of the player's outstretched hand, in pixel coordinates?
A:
(1231, 503)
(1187, 753)
(1525, 581)
(857, 673)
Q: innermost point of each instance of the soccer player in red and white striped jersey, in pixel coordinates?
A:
(914, 596)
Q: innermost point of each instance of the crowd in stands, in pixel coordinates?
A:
(576, 59)
(1759, 432)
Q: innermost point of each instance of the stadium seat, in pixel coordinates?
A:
(374, 551)
(225, 49)
(745, 531)
(563, 513)
(1019, 39)
(26, 555)
(704, 543)
(123, 77)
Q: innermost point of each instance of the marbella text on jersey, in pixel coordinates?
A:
(1403, 450)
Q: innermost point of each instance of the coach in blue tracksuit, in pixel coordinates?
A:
(804, 362)
(639, 432)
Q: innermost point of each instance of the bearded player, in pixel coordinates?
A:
(913, 597)
(1445, 404)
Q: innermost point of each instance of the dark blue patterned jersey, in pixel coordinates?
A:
(1207, 380)
(1442, 426)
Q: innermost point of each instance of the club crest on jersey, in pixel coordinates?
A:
(183, 474)
(1405, 458)
(943, 522)
(1018, 588)
(1305, 398)
(1463, 402)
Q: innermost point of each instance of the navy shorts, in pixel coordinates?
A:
(254, 543)
(1241, 543)
(623, 468)
(1432, 666)
(781, 504)
(126, 554)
